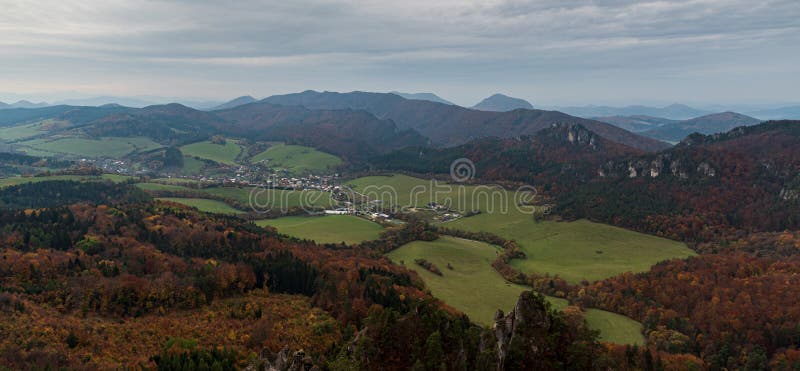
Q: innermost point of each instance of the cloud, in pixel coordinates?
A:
(446, 45)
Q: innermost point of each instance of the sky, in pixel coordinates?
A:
(550, 52)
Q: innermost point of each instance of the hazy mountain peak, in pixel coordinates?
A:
(424, 96)
(502, 103)
(245, 99)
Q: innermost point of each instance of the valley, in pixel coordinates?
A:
(373, 223)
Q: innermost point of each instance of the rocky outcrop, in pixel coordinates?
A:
(574, 134)
(284, 360)
(523, 330)
(664, 164)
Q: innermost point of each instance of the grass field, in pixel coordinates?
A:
(326, 229)
(113, 147)
(576, 250)
(573, 250)
(615, 328)
(6, 182)
(476, 289)
(472, 286)
(203, 204)
(162, 187)
(192, 166)
(406, 191)
(273, 198)
(296, 159)
(222, 153)
(20, 132)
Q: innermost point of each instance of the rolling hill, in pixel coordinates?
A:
(561, 154)
(352, 134)
(448, 125)
(502, 103)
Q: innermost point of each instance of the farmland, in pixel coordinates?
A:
(222, 153)
(326, 229)
(296, 159)
(111, 147)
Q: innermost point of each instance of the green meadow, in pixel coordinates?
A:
(203, 204)
(575, 250)
(326, 229)
(162, 187)
(221, 153)
(296, 159)
(273, 198)
(406, 191)
(113, 147)
(11, 181)
(572, 250)
(18, 132)
(475, 288)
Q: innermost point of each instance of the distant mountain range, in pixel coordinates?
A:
(105, 100)
(674, 111)
(708, 124)
(424, 96)
(502, 103)
(448, 125)
(790, 113)
(22, 104)
(636, 123)
(676, 130)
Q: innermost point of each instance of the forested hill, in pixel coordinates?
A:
(558, 156)
(450, 125)
(80, 283)
(352, 134)
(746, 180)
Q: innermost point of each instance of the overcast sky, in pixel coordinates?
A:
(553, 52)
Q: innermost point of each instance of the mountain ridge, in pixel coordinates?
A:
(449, 125)
(431, 97)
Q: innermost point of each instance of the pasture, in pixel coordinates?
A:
(326, 229)
(475, 288)
(111, 147)
(296, 159)
(221, 153)
(575, 250)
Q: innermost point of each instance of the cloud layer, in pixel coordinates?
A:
(554, 52)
